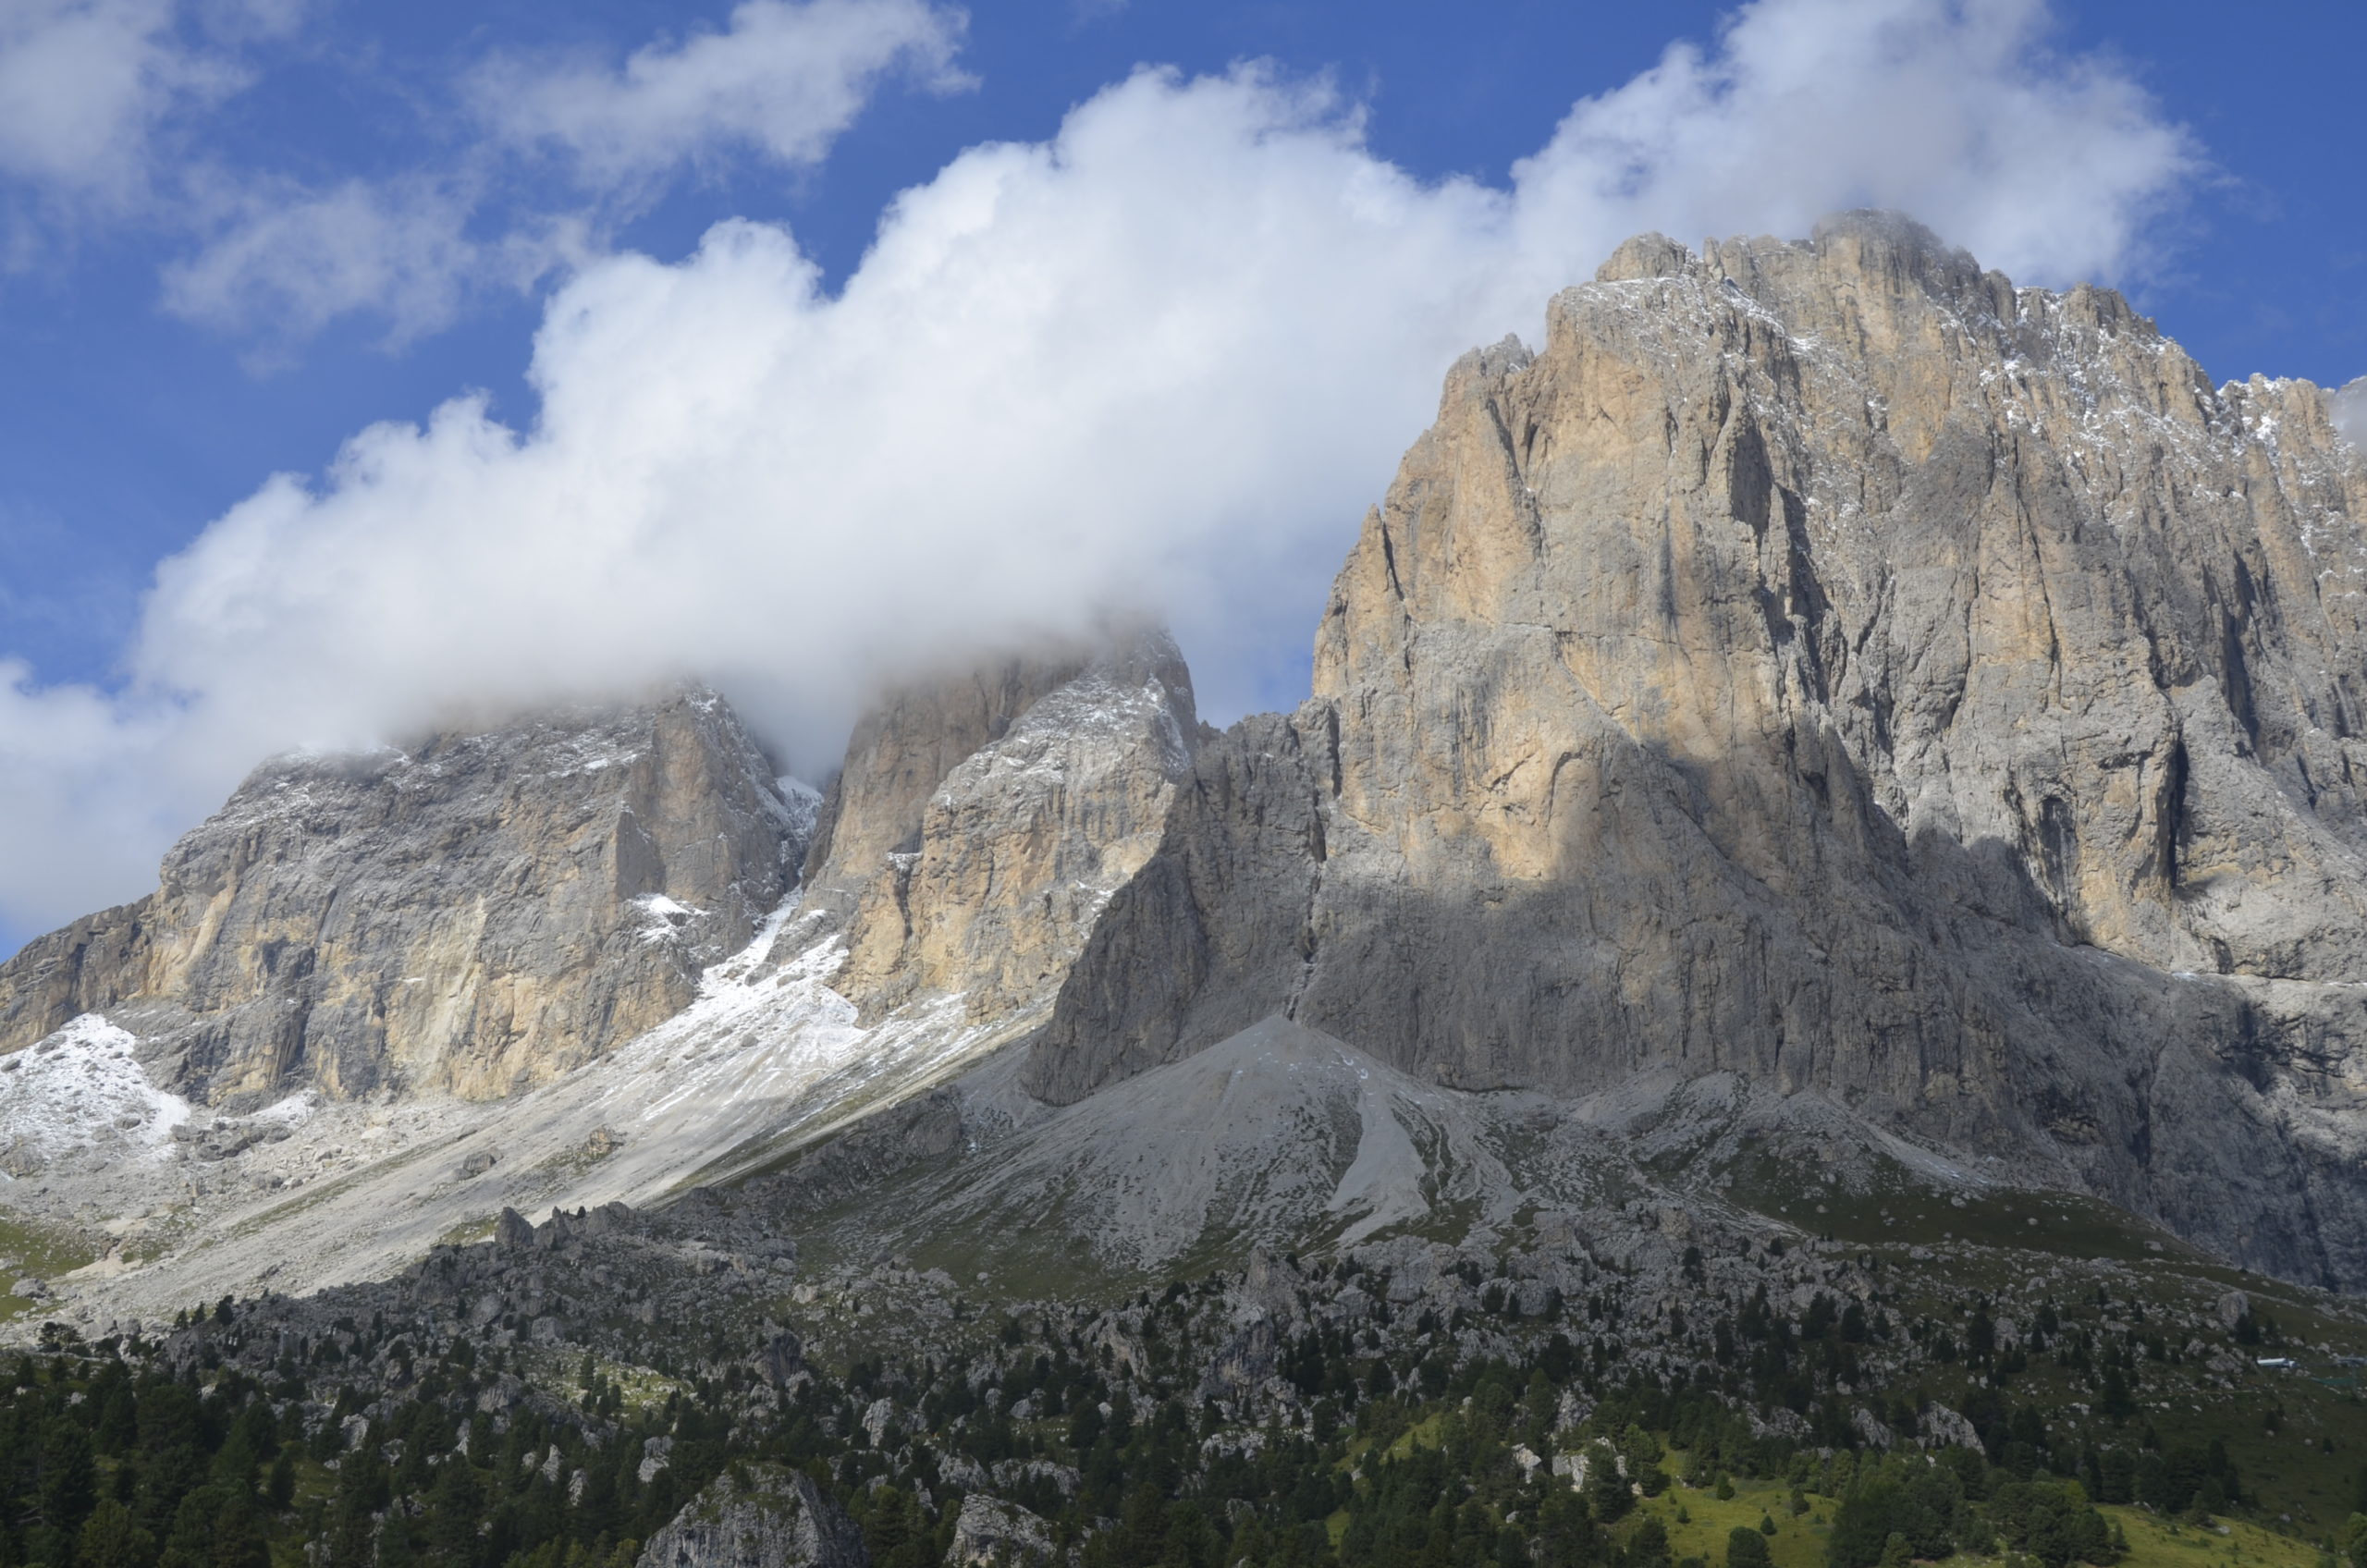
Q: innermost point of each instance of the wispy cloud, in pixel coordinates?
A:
(89, 87)
(101, 103)
(783, 81)
(285, 260)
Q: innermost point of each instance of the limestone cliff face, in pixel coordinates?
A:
(1829, 662)
(902, 749)
(980, 823)
(473, 916)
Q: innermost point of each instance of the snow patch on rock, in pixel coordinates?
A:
(81, 1089)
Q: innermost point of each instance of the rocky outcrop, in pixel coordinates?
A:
(758, 1517)
(989, 1531)
(1828, 663)
(473, 915)
(902, 750)
(981, 823)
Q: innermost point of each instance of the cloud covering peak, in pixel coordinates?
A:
(1159, 362)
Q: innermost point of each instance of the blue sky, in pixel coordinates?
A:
(235, 234)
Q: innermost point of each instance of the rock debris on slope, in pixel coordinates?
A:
(758, 1517)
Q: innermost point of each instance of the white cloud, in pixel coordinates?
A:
(784, 81)
(1164, 360)
(87, 87)
(82, 86)
(2350, 411)
(2044, 167)
(284, 262)
(85, 815)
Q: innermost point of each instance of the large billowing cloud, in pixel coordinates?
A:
(1163, 361)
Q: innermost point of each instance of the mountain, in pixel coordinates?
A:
(1829, 664)
(626, 873)
(1830, 721)
(1808, 936)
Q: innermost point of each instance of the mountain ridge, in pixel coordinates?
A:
(1824, 670)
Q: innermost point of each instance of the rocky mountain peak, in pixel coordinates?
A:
(480, 914)
(473, 914)
(1829, 663)
(982, 820)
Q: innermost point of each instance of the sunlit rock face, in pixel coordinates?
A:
(471, 917)
(981, 822)
(1831, 662)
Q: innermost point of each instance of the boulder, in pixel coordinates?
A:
(991, 1531)
(758, 1517)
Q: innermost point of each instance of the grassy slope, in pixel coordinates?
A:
(41, 1251)
(2298, 1438)
(1799, 1542)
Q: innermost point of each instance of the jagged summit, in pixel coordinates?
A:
(982, 819)
(472, 915)
(1829, 663)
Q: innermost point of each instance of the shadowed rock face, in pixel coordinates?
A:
(1216, 931)
(473, 916)
(1829, 663)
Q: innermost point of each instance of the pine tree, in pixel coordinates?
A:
(281, 1489)
(237, 1535)
(70, 1477)
(112, 1538)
